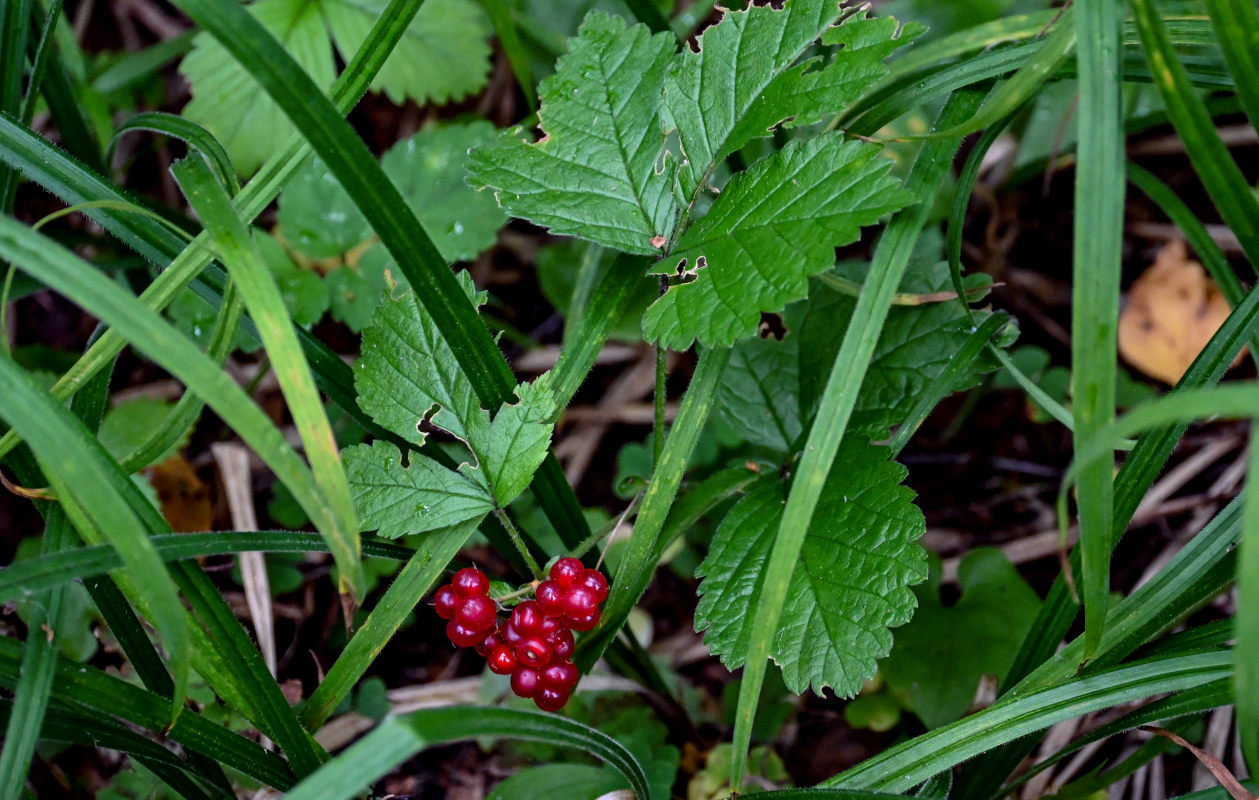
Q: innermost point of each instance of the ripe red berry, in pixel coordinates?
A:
(502, 660)
(593, 580)
(562, 644)
(533, 653)
(560, 676)
(550, 595)
(469, 582)
(461, 636)
(579, 602)
(527, 618)
(476, 613)
(583, 623)
(567, 571)
(510, 634)
(487, 645)
(550, 700)
(524, 682)
(445, 601)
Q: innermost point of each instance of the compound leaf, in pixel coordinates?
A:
(229, 102)
(852, 584)
(747, 76)
(772, 227)
(408, 378)
(595, 173)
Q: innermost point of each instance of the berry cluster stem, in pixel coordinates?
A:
(519, 542)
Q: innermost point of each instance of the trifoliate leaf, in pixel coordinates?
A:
(851, 586)
(770, 229)
(940, 656)
(229, 102)
(408, 377)
(443, 56)
(747, 76)
(596, 173)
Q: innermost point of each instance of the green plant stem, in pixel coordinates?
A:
(514, 534)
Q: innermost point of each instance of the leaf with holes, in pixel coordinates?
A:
(409, 382)
(849, 589)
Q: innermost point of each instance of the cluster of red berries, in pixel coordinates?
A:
(535, 645)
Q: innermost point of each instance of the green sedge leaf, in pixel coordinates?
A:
(860, 556)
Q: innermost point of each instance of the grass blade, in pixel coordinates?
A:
(262, 298)
(39, 658)
(638, 564)
(186, 131)
(74, 458)
(1097, 259)
(98, 694)
(422, 570)
(505, 27)
(908, 764)
(1236, 24)
(1246, 681)
(399, 738)
(835, 408)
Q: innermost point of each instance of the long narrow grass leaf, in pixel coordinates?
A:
(1236, 24)
(1246, 682)
(1097, 254)
(399, 738)
(189, 132)
(262, 298)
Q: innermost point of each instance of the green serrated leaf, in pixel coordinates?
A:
(229, 102)
(408, 376)
(396, 500)
(858, 561)
(746, 78)
(444, 55)
(770, 229)
(316, 217)
(940, 656)
(758, 397)
(595, 172)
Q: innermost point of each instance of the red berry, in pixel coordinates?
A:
(579, 601)
(567, 571)
(550, 700)
(486, 645)
(562, 644)
(476, 613)
(593, 580)
(510, 634)
(502, 660)
(469, 582)
(527, 618)
(461, 636)
(584, 623)
(533, 653)
(561, 677)
(524, 682)
(550, 595)
(445, 601)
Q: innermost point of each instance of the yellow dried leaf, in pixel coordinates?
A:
(1172, 311)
